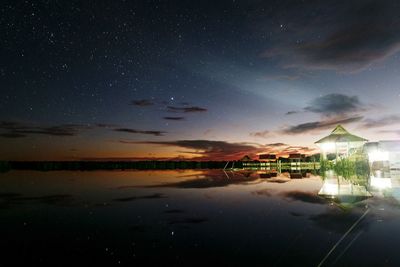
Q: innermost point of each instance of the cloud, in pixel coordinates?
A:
(18, 130)
(142, 103)
(54, 130)
(317, 126)
(291, 112)
(105, 125)
(191, 109)
(262, 134)
(381, 122)
(208, 149)
(221, 150)
(276, 145)
(135, 131)
(298, 149)
(343, 37)
(390, 131)
(283, 77)
(335, 104)
(174, 118)
(12, 135)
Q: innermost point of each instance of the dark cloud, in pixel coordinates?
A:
(135, 131)
(16, 130)
(174, 118)
(12, 135)
(106, 125)
(346, 37)
(317, 126)
(142, 102)
(276, 145)
(211, 149)
(221, 150)
(263, 192)
(381, 122)
(291, 112)
(339, 221)
(126, 158)
(277, 180)
(54, 130)
(296, 149)
(191, 109)
(334, 104)
(262, 134)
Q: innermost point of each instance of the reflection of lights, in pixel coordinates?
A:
(378, 156)
(381, 183)
(328, 146)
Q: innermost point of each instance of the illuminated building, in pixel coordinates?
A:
(340, 143)
(384, 154)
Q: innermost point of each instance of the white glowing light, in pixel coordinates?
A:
(381, 183)
(331, 189)
(328, 146)
(378, 156)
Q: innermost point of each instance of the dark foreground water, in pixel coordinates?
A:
(197, 218)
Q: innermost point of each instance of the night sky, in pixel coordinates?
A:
(85, 80)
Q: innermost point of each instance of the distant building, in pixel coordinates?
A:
(340, 143)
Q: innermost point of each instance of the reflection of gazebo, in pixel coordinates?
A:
(342, 190)
(340, 142)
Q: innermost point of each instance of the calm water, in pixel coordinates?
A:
(198, 218)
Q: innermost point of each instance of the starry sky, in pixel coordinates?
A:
(132, 80)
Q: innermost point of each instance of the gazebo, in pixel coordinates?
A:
(340, 142)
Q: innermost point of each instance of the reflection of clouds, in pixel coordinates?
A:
(308, 197)
(189, 220)
(278, 181)
(343, 190)
(213, 180)
(262, 192)
(295, 214)
(174, 211)
(339, 221)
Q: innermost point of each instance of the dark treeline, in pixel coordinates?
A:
(110, 165)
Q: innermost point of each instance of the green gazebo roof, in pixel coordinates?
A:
(339, 135)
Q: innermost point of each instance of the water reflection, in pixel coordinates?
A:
(248, 217)
(345, 190)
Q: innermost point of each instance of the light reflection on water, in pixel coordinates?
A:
(194, 217)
